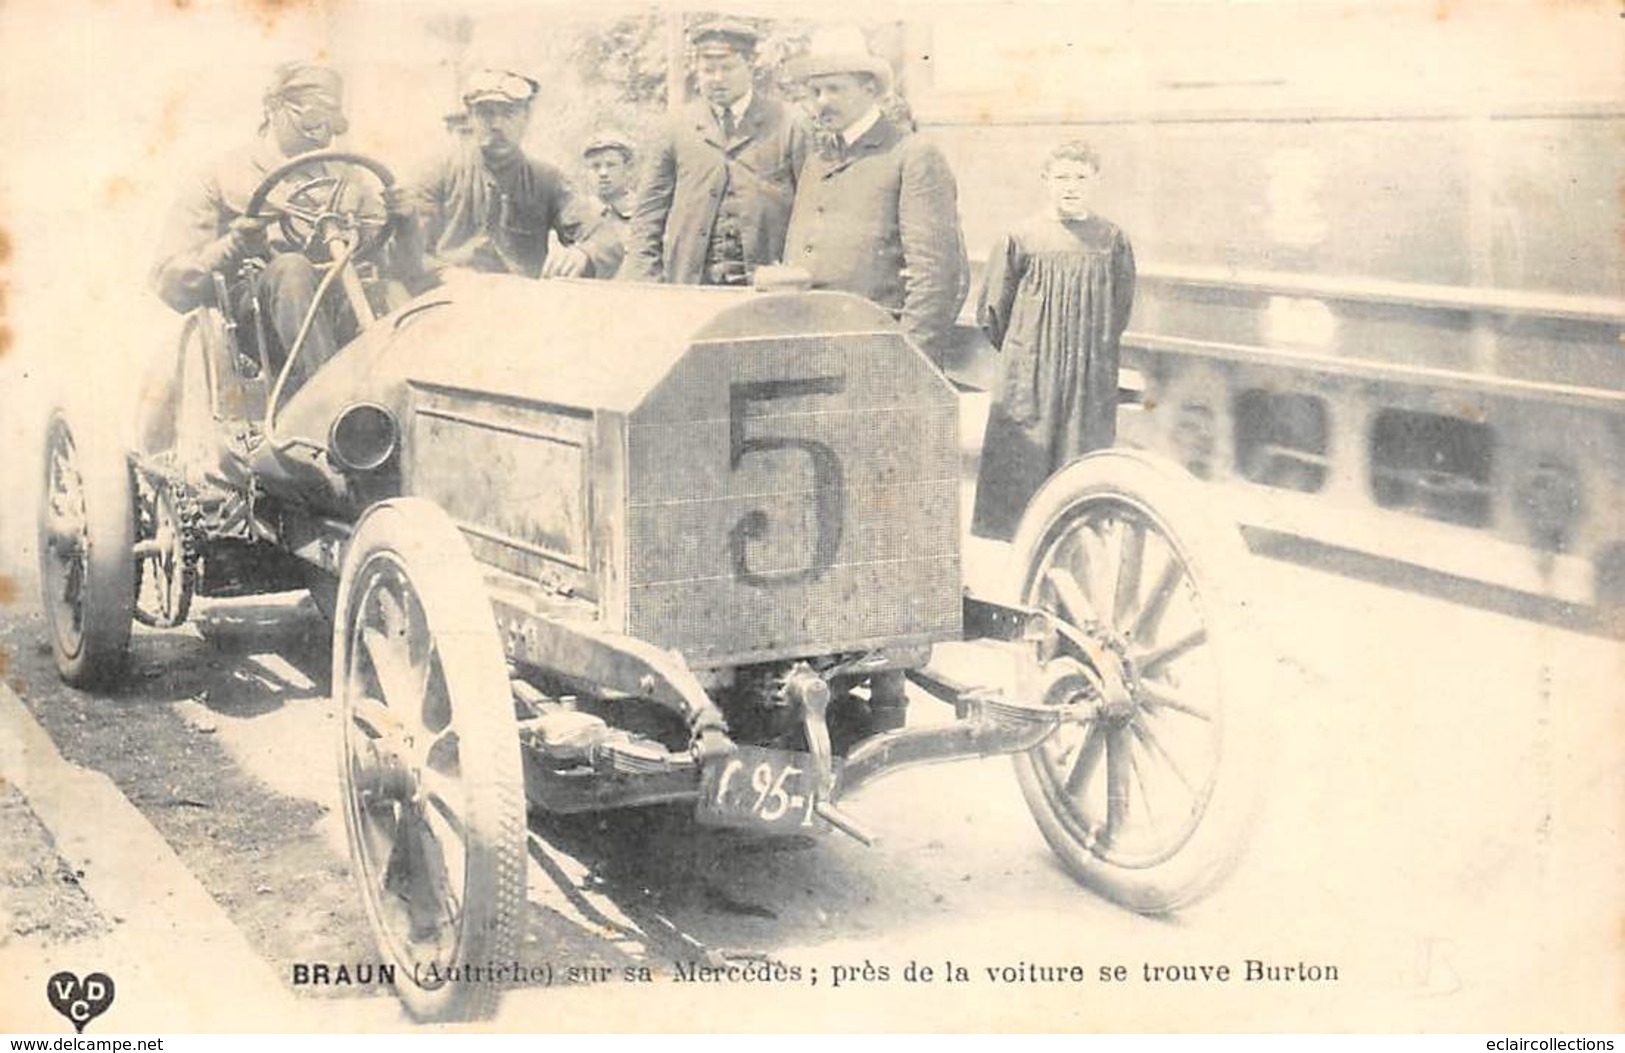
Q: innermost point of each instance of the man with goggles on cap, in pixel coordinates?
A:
(269, 281)
(490, 208)
(715, 198)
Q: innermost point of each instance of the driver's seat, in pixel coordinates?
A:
(211, 390)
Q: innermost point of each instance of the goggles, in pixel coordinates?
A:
(497, 86)
(310, 109)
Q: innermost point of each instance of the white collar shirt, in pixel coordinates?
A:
(852, 132)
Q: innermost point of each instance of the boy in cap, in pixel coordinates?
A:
(491, 208)
(716, 194)
(876, 209)
(608, 158)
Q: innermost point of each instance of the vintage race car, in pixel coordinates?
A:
(592, 546)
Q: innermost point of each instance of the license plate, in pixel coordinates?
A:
(763, 789)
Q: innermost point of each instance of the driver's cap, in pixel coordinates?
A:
(292, 79)
(498, 85)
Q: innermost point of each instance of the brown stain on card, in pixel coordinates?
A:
(5, 259)
(165, 134)
(8, 596)
(117, 190)
(269, 11)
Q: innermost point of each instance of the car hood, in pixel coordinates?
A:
(592, 346)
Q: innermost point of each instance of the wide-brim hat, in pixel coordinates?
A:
(829, 63)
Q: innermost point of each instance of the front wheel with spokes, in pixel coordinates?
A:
(429, 759)
(1145, 791)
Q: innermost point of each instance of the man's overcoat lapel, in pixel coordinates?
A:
(880, 136)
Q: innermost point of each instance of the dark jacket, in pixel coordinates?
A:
(689, 170)
(498, 220)
(882, 221)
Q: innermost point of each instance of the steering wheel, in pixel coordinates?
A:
(325, 203)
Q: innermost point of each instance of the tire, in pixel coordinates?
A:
(416, 657)
(86, 550)
(1179, 727)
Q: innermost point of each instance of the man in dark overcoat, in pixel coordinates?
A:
(876, 209)
(716, 193)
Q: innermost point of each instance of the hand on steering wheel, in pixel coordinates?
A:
(325, 202)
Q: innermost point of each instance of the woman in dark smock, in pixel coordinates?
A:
(1057, 297)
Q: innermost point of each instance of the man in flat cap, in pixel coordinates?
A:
(608, 159)
(876, 209)
(716, 193)
(492, 207)
(207, 233)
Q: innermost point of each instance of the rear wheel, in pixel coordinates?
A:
(429, 759)
(86, 548)
(164, 566)
(1146, 791)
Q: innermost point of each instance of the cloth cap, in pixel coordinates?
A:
(292, 78)
(828, 63)
(724, 35)
(608, 140)
(498, 85)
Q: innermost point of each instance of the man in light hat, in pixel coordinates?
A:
(608, 158)
(207, 233)
(716, 194)
(876, 210)
(491, 208)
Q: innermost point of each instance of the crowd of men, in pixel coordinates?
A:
(734, 181)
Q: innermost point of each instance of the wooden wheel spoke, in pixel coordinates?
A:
(1087, 760)
(1159, 696)
(402, 685)
(372, 715)
(436, 714)
(442, 793)
(439, 753)
(1096, 564)
(1139, 780)
(434, 851)
(1130, 566)
(416, 873)
(1155, 660)
(1149, 740)
(1149, 619)
(1119, 783)
(1074, 602)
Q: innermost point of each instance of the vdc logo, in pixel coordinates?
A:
(81, 1001)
